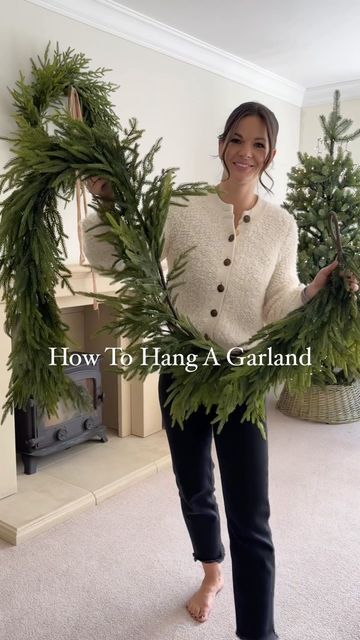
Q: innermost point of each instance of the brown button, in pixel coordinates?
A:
(206, 336)
(246, 218)
(227, 261)
(213, 313)
(237, 352)
(231, 238)
(220, 287)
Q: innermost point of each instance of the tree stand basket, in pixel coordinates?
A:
(331, 404)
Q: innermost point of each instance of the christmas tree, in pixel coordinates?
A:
(321, 184)
(329, 181)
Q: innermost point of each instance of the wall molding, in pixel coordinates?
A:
(123, 22)
(324, 94)
(114, 18)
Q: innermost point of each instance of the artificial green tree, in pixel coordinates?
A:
(321, 184)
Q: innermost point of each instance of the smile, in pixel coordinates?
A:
(243, 165)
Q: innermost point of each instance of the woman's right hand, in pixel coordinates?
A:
(100, 188)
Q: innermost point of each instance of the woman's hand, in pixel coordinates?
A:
(323, 276)
(100, 188)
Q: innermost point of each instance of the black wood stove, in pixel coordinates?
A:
(38, 435)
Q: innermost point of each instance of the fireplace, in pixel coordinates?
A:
(38, 435)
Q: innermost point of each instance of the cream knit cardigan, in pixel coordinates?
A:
(234, 283)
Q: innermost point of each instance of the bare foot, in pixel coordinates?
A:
(200, 605)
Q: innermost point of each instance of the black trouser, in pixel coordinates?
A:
(243, 461)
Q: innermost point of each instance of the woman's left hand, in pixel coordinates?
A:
(323, 276)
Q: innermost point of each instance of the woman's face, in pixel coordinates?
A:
(247, 150)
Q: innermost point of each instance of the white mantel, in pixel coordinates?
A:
(140, 413)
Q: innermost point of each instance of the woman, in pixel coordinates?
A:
(241, 276)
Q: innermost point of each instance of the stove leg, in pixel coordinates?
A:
(30, 463)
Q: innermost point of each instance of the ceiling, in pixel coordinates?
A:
(309, 42)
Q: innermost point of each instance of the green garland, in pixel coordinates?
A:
(45, 166)
(31, 231)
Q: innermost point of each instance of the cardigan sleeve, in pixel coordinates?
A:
(169, 223)
(283, 293)
(99, 253)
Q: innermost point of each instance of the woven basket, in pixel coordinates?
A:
(332, 404)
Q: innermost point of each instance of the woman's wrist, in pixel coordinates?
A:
(308, 293)
(304, 296)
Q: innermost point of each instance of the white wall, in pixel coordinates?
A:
(185, 105)
(311, 128)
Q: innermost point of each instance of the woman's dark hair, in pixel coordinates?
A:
(272, 128)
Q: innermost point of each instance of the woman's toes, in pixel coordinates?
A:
(203, 615)
(193, 612)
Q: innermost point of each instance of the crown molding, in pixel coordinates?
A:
(324, 94)
(114, 18)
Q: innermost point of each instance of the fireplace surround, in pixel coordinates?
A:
(131, 407)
